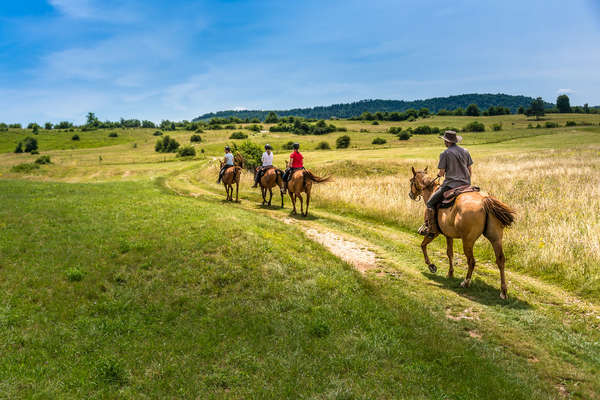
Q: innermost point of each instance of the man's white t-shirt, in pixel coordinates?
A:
(228, 159)
(267, 159)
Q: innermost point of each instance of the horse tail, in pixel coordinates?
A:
(504, 213)
(317, 179)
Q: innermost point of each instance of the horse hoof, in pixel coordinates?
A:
(432, 268)
(465, 283)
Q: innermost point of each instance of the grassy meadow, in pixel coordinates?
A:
(124, 274)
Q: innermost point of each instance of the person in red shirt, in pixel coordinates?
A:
(296, 163)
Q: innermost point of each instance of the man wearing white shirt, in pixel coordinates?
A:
(267, 162)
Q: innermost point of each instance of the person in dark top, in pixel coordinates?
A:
(455, 165)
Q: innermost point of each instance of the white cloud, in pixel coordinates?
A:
(74, 8)
(565, 91)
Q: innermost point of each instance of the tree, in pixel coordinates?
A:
(459, 111)
(92, 120)
(424, 112)
(586, 108)
(271, 118)
(31, 144)
(536, 108)
(521, 110)
(563, 104)
(19, 148)
(472, 110)
(48, 126)
(148, 124)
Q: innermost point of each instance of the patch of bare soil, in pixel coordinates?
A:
(353, 253)
(467, 313)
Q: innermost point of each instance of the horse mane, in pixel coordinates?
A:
(317, 179)
(500, 210)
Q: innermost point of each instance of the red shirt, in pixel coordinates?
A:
(296, 159)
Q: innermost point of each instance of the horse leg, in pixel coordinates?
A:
(264, 195)
(424, 243)
(500, 260)
(226, 191)
(293, 198)
(237, 189)
(299, 195)
(468, 250)
(281, 193)
(270, 196)
(450, 254)
(307, 202)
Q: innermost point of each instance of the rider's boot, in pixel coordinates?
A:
(429, 228)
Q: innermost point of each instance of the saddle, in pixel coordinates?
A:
(451, 195)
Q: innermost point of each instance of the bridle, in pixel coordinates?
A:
(416, 195)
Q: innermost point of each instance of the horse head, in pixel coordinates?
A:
(418, 182)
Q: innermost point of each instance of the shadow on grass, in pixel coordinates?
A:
(479, 291)
(298, 216)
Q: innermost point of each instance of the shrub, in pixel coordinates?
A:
(570, 123)
(374, 123)
(43, 160)
(342, 142)
(74, 275)
(229, 127)
(238, 135)
(75, 137)
(288, 146)
(405, 135)
(363, 130)
(3, 127)
(323, 146)
(342, 129)
(497, 127)
(474, 126)
(19, 148)
(30, 144)
(34, 152)
(538, 126)
(395, 130)
(187, 151)
(251, 152)
(379, 140)
(254, 128)
(422, 130)
(25, 167)
(550, 124)
(166, 145)
(195, 138)
(529, 126)
(435, 129)
(113, 134)
(36, 129)
(157, 133)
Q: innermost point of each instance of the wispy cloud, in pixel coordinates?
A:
(565, 91)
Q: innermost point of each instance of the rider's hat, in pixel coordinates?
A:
(227, 148)
(268, 147)
(296, 146)
(451, 136)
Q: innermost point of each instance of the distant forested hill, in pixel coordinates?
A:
(348, 110)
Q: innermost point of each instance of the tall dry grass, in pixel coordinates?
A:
(556, 194)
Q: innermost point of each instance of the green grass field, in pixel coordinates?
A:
(124, 274)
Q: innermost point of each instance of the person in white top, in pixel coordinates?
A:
(267, 162)
(227, 162)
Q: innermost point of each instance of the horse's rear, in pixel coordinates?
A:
(271, 178)
(302, 181)
(472, 215)
(231, 177)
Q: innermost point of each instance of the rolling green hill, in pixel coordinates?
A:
(354, 109)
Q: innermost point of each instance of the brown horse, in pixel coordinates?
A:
(271, 178)
(231, 176)
(301, 181)
(471, 215)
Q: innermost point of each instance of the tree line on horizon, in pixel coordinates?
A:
(536, 107)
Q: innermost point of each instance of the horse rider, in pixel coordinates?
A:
(267, 162)
(227, 162)
(455, 165)
(296, 163)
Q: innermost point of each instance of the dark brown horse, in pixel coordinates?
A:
(301, 181)
(230, 177)
(271, 178)
(471, 215)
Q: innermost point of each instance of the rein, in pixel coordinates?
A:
(429, 185)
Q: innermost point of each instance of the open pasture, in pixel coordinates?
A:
(112, 286)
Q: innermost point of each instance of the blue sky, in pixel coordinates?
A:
(177, 59)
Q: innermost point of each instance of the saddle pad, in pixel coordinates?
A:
(451, 195)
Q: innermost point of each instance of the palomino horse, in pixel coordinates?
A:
(271, 178)
(231, 176)
(301, 181)
(472, 215)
